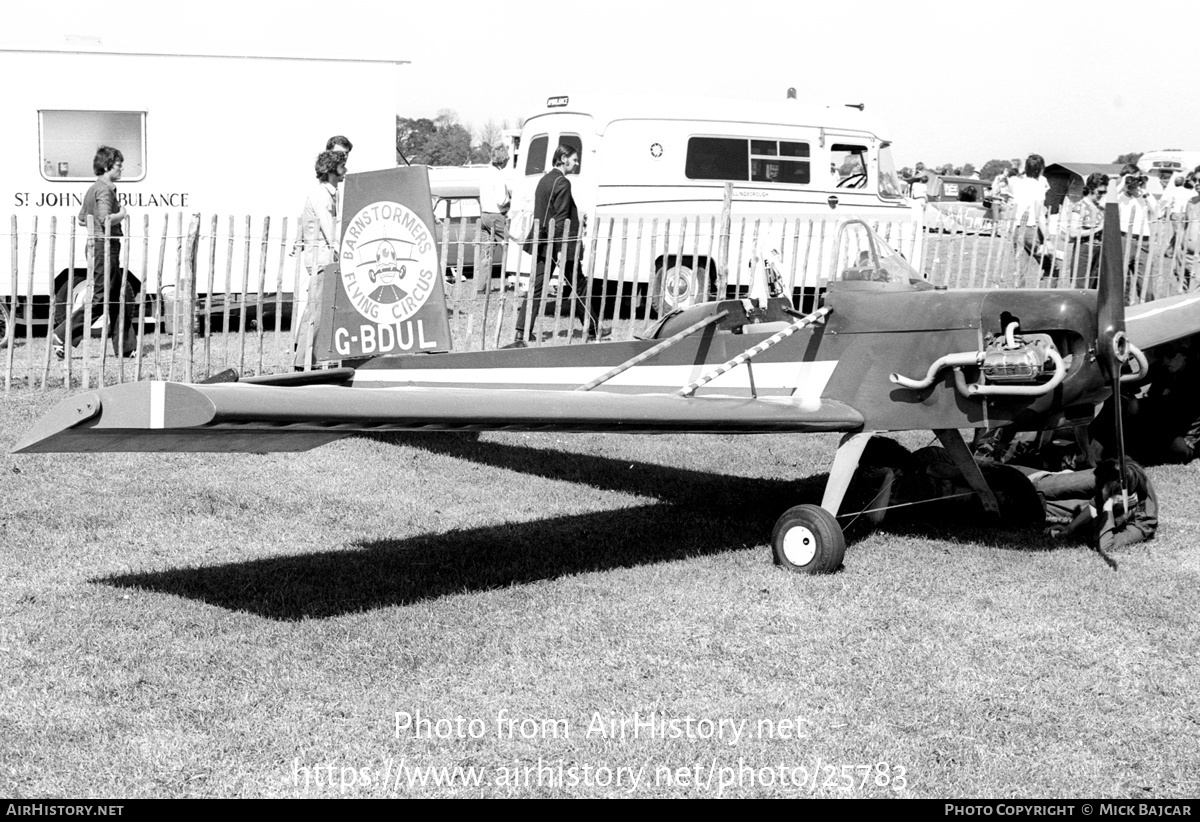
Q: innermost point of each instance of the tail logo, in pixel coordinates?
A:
(388, 262)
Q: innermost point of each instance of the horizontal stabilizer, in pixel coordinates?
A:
(162, 416)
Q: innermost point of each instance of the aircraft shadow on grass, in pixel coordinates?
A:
(697, 514)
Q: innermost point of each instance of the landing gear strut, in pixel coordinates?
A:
(807, 538)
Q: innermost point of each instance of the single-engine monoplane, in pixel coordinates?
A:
(883, 351)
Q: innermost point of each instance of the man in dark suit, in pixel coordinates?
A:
(554, 206)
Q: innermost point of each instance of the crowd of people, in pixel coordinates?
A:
(107, 291)
(1066, 242)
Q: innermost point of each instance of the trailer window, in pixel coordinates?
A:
(69, 139)
(535, 159)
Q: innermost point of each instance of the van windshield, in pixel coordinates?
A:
(889, 180)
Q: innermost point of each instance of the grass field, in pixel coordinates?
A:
(192, 625)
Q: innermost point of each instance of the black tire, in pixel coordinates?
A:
(808, 540)
(5, 326)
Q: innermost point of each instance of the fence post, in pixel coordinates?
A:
(262, 287)
(68, 304)
(283, 238)
(46, 355)
(723, 246)
(162, 260)
(122, 310)
(141, 321)
(105, 275)
(225, 301)
(33, 241)
(189, 275)
(244, 289)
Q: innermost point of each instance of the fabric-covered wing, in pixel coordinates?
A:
(1162, 321)
(163, 416)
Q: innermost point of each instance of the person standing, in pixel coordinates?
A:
(494, 201)
(1137, 210)
(318, 244)
(554, 206)
(1086, 223)
(999, 193)
(1028, 193)
(339, 143)
(1187, 264)
(103, 258)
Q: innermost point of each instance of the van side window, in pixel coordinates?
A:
(716, 158)
(575, 142)
(763, 161)
(535, 158)
(848, 166)
(68, 141)
(771, 162)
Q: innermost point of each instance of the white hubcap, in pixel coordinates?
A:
(799, 545)
(679, 286)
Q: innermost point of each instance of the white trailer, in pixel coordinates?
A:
(230, 137)
(654, 173)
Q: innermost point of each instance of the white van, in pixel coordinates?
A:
(228, 136)
(652, 180)
(1166, 163)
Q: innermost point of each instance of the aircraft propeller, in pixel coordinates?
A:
(1113, 348)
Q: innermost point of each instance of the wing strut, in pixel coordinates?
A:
(749, 353)
(655, 351)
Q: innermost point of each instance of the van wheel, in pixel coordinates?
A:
(679, 285)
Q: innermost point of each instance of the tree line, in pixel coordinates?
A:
(444, 141)
(991, 168)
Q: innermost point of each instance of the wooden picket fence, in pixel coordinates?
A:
(217, 293)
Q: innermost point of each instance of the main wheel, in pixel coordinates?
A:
(681, 286)
(808, 540)
(5, 326)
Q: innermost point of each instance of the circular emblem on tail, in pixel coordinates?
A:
(388, 262)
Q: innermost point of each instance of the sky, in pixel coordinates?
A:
(950, 82)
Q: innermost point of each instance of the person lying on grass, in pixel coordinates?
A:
(1077, 500)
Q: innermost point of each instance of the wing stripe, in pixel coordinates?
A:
(804, 380)
(158, 403)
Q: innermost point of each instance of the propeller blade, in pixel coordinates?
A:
(1112, 347)
(1110, 300)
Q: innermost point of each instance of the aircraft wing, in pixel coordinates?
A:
(165, 416)
(1161, 321)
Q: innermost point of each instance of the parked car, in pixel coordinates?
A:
(957, 204)
(457, 214)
